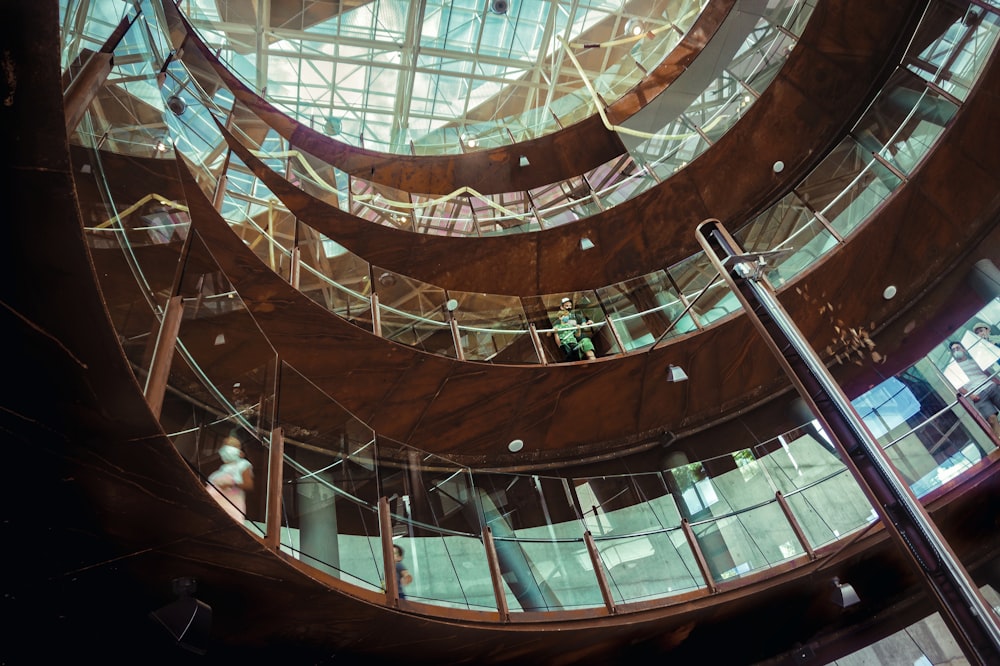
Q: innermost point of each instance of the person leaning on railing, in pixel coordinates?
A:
(983, 390)
(568, 332)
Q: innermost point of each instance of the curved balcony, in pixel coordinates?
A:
(485, 254)
(502, 335)
(528, 548)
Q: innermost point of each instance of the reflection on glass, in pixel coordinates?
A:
(644, 309)
(703, 289)
(788, 225)
(847, 185)
(492, 328)
(657, 564)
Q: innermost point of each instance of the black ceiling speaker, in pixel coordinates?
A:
(176, 104)
(187, 620)
(499, 6)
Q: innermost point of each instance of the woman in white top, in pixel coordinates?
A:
(230, 483)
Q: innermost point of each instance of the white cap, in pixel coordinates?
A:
(980, 324)
(566, 300)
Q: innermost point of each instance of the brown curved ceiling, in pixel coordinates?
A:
(843, 55)
(127, 514)
(565, 153)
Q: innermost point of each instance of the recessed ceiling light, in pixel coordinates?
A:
(515, 445)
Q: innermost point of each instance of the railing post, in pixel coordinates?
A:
(602, 578)
(970, 407)
(376, 315)
(92, 75)
(294, 273)
(615, 335)
(275, 482)
(219, 196)
(456, 336)
(388, 560)
(495, 575)
(163, 355)
(85, 86)
(793, 521)
(699, 557)
(533, 332)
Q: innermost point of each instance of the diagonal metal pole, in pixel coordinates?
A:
(971, 620)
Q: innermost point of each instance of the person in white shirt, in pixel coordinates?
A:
(233, 479)
(983, 390)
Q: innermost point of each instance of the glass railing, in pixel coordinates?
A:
(662, 153)
(869, 164)
(888, 142)
(560, 543)
(464, 212)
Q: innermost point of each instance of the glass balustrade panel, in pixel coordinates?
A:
(548, 574)
(671, 149)
(787, 226)
(448, 570)
(757, 69)
(703, 289)
(348, 295)
(645, 309)
(492, 328)
(847, 185)
(831, 509)
(413, 313)
(953, 58)
(648, 566)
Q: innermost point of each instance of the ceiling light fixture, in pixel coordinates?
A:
(515, 445)
(333, 126)
(176, 104)
(634, 27)
(844, 594)
(586, 243)
(676, 373)
(890, 292)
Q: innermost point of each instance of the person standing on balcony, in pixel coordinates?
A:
(571, 332)
(983, 390)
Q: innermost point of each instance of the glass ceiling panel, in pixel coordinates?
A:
(395, 75)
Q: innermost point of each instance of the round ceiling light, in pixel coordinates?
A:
(515, 445)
